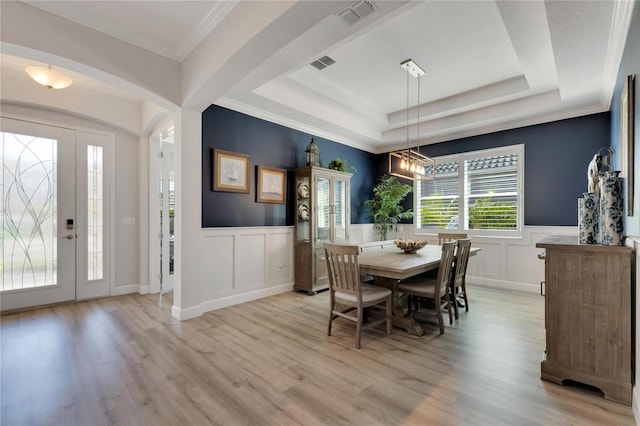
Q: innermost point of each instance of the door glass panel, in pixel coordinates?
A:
(95, 213)
(340, 202)
(322, 202)
(28, 237)
(172, 209)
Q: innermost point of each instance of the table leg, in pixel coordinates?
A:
(401, 317)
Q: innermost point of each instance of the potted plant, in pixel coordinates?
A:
(340, 165)
(385, 207)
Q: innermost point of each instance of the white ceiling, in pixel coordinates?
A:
(491, 65)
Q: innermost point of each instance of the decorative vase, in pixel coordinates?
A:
(588, 218)
(611, 209)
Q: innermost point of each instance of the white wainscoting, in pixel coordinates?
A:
(243, 264)
(508, 263)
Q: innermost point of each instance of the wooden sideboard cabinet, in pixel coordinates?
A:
(588, 315)
(323, 215)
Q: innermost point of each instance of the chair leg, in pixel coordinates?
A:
(330, 315)
(464, 294)
(439, 315)
(448, 301)
(358, 327)
(389, 313)
(454, 294)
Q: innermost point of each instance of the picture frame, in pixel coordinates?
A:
(627, 102)
(271, 185)
(230, 171)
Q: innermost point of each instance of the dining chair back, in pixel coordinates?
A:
(458, 288)
(348, 293)
(436, 289)
(450, 236)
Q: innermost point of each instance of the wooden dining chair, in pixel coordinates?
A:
(435, 289)
(458, 286)
(450, 236)
(349, 293)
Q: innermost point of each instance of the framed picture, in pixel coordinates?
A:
(627, 101)
(271, 186)
(230, 171)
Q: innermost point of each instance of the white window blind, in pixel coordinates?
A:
(480, 192)
(439, 207)
(491, 189)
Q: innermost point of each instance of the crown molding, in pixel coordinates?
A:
(622, 16)
(192, 39)
(292, 124)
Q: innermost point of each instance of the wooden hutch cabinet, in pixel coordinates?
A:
(588, 314)
(323, 215)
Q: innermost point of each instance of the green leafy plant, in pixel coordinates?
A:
(385, 207)
(436, 212)
(487, 214)
(341, 165)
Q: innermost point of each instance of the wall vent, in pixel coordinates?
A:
(323, 62)
(356, 11)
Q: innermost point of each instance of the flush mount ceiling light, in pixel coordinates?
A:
(48, 77)
(407, 163)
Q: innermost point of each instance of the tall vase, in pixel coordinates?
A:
(588, 218)
(611, 210)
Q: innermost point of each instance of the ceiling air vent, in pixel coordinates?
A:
(323, 62)
(356, 11)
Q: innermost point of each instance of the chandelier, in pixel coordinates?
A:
(409, 163)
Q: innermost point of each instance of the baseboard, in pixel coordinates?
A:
(503, 285)
(128, 289)
(224, 302)
(186, 314)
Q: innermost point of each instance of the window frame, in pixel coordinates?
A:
(517, 149)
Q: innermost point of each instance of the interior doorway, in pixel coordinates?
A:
(162, 211)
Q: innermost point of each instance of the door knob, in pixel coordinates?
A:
(68, 237)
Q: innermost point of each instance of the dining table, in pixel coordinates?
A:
(390, 265)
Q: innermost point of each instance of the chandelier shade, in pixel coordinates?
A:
(409, 163)
(48, 77)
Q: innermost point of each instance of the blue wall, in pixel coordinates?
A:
(556, 156)
(630, 65)
(269, 145)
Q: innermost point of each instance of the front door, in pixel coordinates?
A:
(38, 223)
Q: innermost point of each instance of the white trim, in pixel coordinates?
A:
(461, 158)
(502, 284)
(128, 289)
(52, 123)
(154, 220)
(292, 124)
(223, 302)
(187, 313)
(200, 31)
(155, 145)
(622, 17)
(86, 289)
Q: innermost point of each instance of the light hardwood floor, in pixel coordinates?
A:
(125, 361)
